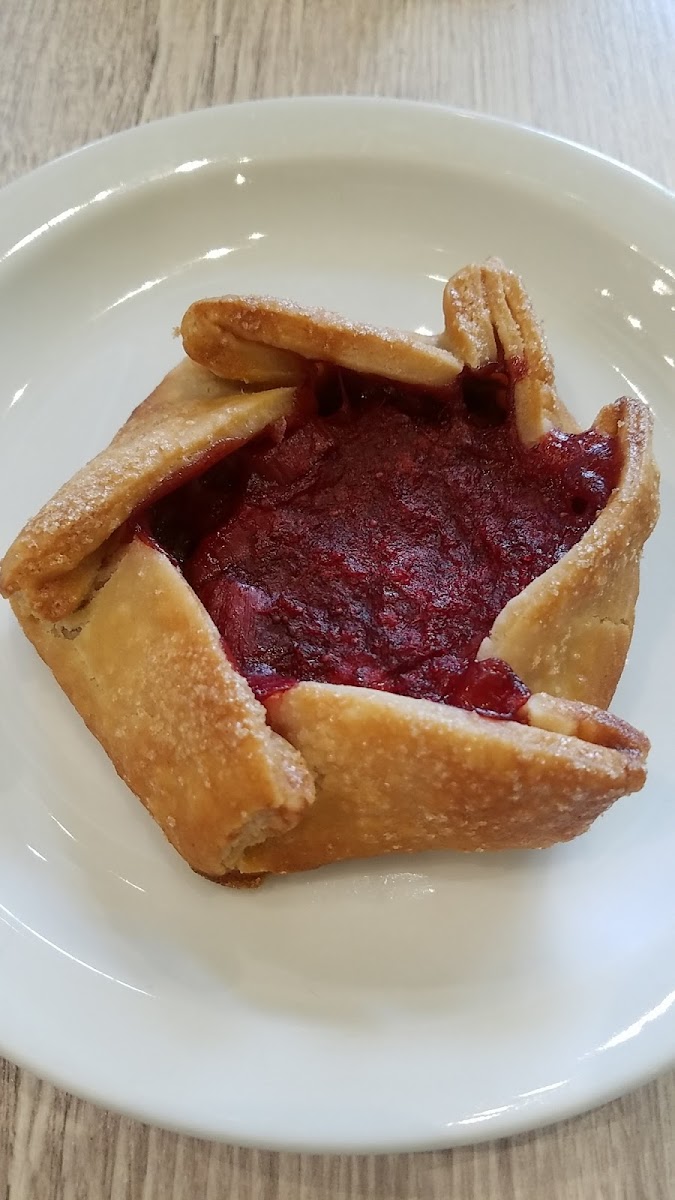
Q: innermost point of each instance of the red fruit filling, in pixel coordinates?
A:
(375, 543)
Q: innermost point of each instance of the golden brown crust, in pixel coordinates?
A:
(487, 314)
(400, 775)
(569, 631)
(573, 719)
(212, 344)
(314, 335)
(184, 418)
(144, 666)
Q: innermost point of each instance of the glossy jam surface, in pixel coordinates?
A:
(375, 543)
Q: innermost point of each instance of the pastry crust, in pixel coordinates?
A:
(142, 662)
(569, 631)
(399, 775)
(308, 335)
(189, 421)
(487, 312)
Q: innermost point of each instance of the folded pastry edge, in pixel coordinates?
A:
(569, 631)
(144, 666)
(394, 774)
(189, 421)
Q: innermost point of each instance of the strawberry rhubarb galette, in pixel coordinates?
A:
(336, 591)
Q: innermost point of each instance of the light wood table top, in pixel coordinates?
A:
(602, 73)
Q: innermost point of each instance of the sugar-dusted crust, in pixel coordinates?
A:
(487, 314)
(143, 664)
(395, 774)
(569, 631)
(231, 333)
(189, 415)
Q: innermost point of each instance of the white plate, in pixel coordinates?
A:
(393, 1004)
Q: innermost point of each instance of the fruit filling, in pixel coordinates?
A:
(373, 540)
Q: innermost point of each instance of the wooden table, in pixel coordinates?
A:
(73, 70)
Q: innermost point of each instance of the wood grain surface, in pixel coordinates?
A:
(73, 70)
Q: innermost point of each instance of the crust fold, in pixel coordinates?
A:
(308, 335)
(144, 666)
(569, 631)
(399, 775)
(189, 415)
(487, 315)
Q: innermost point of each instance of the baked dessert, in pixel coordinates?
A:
(335, 591)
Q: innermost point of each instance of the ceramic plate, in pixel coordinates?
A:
(400, 1003)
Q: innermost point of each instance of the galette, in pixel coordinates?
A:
(336, 591)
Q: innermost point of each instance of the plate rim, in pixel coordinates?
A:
(94, 153)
